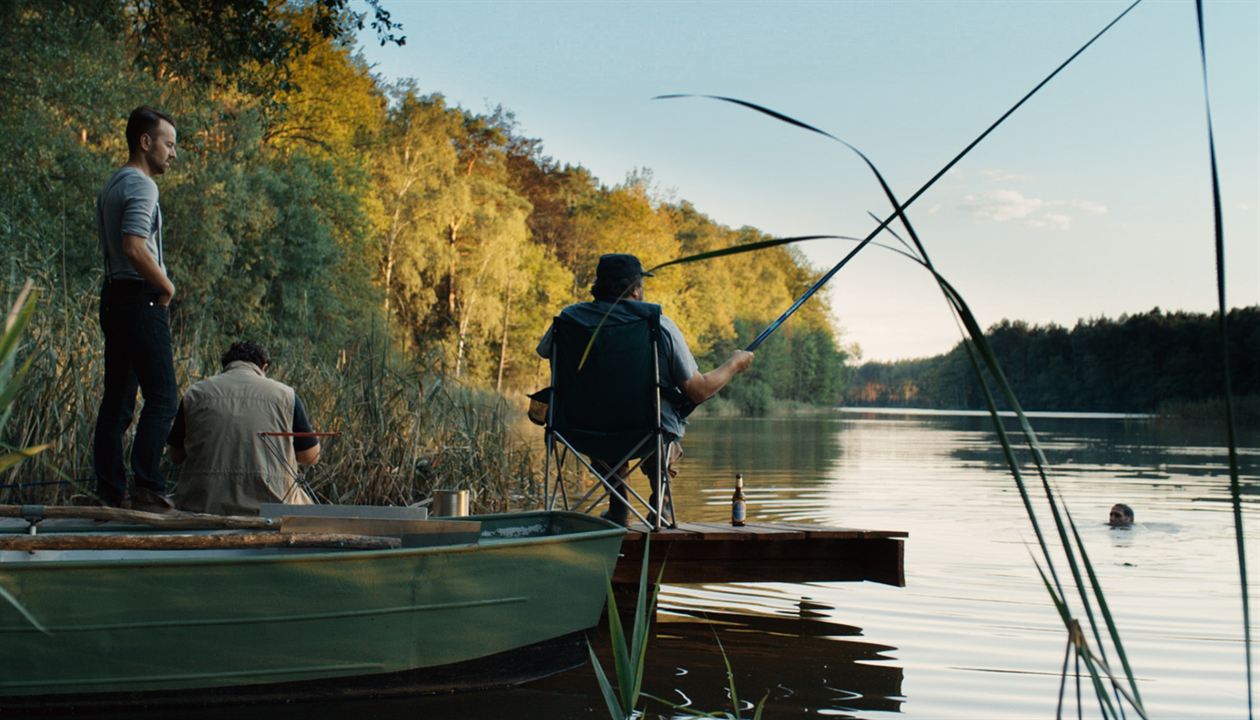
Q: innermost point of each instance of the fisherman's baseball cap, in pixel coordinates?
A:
(618, 266)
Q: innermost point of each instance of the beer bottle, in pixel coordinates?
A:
(739, 504)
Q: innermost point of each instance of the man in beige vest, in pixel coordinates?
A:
(227, 466)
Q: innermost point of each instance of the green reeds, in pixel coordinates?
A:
(733, 693)
(1103, 679)
(403, 432)
(1235, 486)
(628, 659)
(12, 375)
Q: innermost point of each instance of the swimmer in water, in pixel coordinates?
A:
(1121, 516)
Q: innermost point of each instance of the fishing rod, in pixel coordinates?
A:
(898, 208)
(298, 477)
(814, 288)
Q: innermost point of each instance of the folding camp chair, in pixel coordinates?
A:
(605, 408)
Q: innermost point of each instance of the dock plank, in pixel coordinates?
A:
(823, 531)
(704, 552)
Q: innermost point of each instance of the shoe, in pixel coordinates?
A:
(86, 499)
(623, 521)
(146, 500)
(103, 497)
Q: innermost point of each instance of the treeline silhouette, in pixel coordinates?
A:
(399, 256)
(312, 197)
(1136, 363)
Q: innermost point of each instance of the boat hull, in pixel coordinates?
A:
(151, 624)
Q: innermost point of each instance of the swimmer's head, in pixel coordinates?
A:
(1121, 515)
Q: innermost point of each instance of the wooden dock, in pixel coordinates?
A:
(764, 552)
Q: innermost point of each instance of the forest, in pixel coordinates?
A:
(1141, 363)
(401, 256)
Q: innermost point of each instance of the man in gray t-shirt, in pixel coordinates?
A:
(619, 283)
(135, 318)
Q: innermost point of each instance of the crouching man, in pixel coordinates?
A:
(227, 466)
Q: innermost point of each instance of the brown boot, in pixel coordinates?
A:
(147, 500)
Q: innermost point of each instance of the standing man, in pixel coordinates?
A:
(135, 318)
(228, 466)
(618, 286)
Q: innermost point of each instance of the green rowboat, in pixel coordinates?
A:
(142, 625)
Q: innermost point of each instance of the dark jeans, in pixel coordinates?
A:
(137, 354)
(618, 511)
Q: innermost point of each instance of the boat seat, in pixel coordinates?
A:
(379, 512)
(410, 524)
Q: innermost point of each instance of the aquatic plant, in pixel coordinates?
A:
(11, 375)
(403, 431)
(1235, 486)
(630, 659)
(1093, 656)
(733, 692)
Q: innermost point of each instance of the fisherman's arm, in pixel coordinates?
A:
(305, 449)
(702, 386)
(133, 247)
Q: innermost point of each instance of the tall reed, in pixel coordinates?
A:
(12, 375)
(1093, 655)
(629, 658)
(1235, 486)
(403, 432)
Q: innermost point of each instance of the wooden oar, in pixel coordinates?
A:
(175, 520)
(233, 541)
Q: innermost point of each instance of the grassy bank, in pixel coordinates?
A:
(403, 431)
(1212, 411)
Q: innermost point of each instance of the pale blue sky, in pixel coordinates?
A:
(1092, 200)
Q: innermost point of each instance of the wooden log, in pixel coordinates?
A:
(379, 512)
(226, 541)
(174, 520)
(413, 533)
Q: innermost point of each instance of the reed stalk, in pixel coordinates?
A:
(1235, 485)
(12, 375)
(1103, 679)
(629, 658)
(404, 432)
(733, 693)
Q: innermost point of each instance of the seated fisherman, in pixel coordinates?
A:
(620, 276)
(226, 466)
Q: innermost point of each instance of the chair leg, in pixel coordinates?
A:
(669, 501)
(548, 499)
(666, 478)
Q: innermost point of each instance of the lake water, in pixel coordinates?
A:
(973, 634)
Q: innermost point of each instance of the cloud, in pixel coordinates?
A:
(1002, 205)
(1000, 175)
(1054, 220)
(1013, 205)
(1089, 206)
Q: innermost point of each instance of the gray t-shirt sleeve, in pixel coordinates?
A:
(302, 424)
(139, 201)
(682, 364)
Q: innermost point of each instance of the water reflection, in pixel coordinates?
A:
(819, 665)
(1142, 450)
(972, 635)
(797, 448)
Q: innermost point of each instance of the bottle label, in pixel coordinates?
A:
(738, 510)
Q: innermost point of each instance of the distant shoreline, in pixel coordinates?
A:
(1067, 415)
